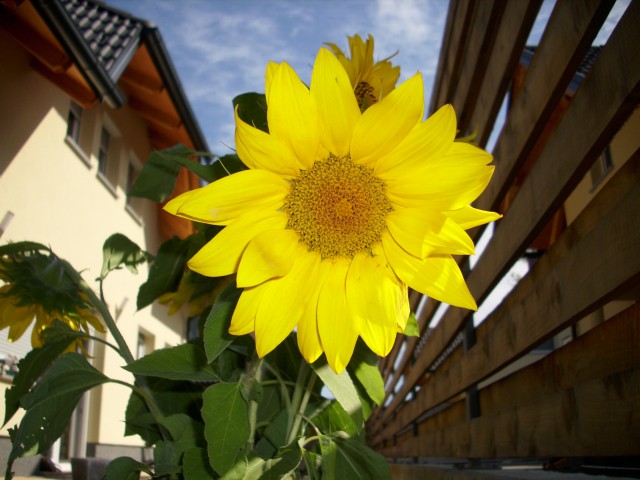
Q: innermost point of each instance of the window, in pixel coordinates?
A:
(601, 168)
(74, 122)
(193, 327)
(146, 343)
(103, 152)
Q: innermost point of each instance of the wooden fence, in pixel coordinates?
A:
(512, 387)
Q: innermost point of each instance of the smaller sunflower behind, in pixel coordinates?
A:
(371, 80)
(35, 286)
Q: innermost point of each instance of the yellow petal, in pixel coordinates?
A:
(283, 303)
(374, 298)
(291, 115)
(307, 335)
(374, 135)
(221, 255)
(244, 316)
(335, 101)
(440, 187)
(270, 254)
(422, 232)
(423, 145)
(437, 276)
(468, 217)
(231, 197)
(259, 150)
(336, 324)
(20, 318)
(272, 67)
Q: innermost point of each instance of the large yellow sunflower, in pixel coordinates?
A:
(370, 80)
(339, 212)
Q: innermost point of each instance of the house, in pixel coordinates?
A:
(86, 93)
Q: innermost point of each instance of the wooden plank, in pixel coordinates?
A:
(452, 17)
(407, 471)
(569, 33)
(610, 348)
(512, 34)
(49, 53)
(592, 419)
(482, 35)
(594, 116)
(546, 300)
(455, 48)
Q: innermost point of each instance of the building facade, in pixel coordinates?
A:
(86, 94)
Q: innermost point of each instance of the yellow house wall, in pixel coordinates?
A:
(58, 199)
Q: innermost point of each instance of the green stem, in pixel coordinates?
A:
(254, 373)
(303, 406)
(143, 390)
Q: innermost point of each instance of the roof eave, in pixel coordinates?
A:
(62, 26)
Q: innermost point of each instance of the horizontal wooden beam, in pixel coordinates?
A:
(578, 401)
(48, 53)
(153, 114)
(138, 79)
(77, 89)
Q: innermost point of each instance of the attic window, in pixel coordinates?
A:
(74, 121)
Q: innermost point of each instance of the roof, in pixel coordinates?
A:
(111, 35)
(103, 41)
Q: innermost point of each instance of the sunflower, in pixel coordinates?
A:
(371, 81)
(339, 212)
(26, 294)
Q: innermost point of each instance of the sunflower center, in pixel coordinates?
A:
(364, 95)
(338, 208)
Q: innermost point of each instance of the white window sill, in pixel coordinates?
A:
(135, 215)
(108, 185)
(78, 151)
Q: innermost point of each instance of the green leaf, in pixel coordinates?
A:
(227, 165)
(342, 389)
(117, 251)
(354, 460)
(216, 328)
(185, 431)
(195, 465)
(364, 366)
(183, 362)
(165, 271)
(252, 109)
(50, 404)
(125, 468)
(277, 468)
(158, 176)
(412, 329)
(335, 419)
(30, 368)
(226, 420)
(166, 459)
